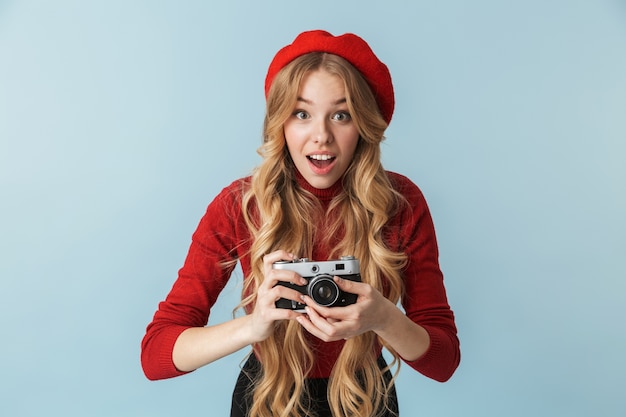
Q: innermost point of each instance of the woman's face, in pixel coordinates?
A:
(320, 134)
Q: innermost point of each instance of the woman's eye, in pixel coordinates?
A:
(300, 114)
(342, 116)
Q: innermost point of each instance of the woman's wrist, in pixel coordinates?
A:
(408, 339)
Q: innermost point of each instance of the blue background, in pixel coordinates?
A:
(121, 120)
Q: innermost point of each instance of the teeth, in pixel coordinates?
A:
(321, 157)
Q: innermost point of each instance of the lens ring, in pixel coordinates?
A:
(323, 290)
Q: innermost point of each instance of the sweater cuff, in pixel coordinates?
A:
(438, 362)
(162, 364)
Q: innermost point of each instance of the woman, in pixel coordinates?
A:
(319, 193)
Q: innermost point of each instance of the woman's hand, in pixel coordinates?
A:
(198, 346)
(265, 313)
(371, 312)
(335, 323)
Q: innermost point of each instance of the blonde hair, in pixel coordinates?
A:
(282, 215)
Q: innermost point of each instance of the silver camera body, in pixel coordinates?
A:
(320, 286)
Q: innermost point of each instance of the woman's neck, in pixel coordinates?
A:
(323, 194)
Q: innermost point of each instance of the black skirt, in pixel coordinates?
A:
(317, 387)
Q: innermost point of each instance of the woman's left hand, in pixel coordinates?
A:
(335, 323)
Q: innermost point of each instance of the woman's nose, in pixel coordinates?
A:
(322, 132)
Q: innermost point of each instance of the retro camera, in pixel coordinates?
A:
(320, 287)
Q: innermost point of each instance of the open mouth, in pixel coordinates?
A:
(321, 161)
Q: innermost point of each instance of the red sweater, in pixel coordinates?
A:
(222, 236)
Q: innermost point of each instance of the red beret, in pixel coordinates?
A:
(351, 48)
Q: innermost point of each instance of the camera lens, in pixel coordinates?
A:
(323, 290)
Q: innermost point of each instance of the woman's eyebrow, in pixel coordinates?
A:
(310, 102)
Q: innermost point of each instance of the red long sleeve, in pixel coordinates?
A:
(216, 241)
(425, 301)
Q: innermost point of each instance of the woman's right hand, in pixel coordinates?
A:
(265, 313)
(198, 346)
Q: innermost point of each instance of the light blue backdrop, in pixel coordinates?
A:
(119, 122)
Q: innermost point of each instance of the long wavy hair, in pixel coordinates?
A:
(282, 215)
